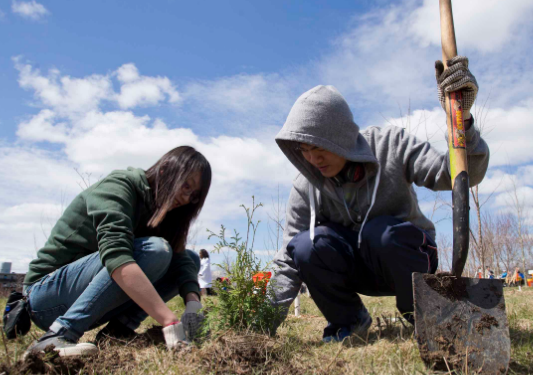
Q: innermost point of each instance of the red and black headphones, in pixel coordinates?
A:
(352, 172)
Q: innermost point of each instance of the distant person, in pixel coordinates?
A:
(117, 254)
(205, 277)
(353, 223)
(517, 278)
(224, 283)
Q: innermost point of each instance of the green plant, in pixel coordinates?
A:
(242, 304)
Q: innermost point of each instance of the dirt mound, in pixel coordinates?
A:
(50, 362)
(239, 353)
(231, 353)
(152, 336)
(486, 321)
(448, 286)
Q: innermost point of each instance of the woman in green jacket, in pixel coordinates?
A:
(117, 254)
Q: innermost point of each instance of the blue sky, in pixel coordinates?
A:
(96, 86)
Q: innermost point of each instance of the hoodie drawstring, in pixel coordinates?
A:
(313, 213)
(313, 210)
(370, 208)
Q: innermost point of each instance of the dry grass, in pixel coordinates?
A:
(389, 348)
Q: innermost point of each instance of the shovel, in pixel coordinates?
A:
(460, 323)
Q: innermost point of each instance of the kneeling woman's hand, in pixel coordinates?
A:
(187, 329)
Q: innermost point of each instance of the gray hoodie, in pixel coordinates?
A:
(392, 158)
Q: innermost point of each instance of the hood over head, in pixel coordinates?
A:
(322, 118)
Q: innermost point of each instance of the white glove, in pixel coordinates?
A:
(174, 335)
(186, 330)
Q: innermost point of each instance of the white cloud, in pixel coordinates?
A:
(238, 159)
(426, 125)
(29, 9)
(41, 127)
(24, 229)
(525, 175)
(31, 174)
(507, 201)
(376, 65)
(510, 192)
(509, 132)
(485, 25)
(71, 97)
(65, 95)
(496, 181)
(139, 90)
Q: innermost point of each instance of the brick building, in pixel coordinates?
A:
(10, 280)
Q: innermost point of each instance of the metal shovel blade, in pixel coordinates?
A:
(460, 323)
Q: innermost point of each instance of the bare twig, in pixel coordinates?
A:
(448, 367)
(5, 347)
(334, 359)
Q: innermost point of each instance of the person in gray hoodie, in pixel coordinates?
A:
(353, 223)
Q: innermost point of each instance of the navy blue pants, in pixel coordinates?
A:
(336, 271)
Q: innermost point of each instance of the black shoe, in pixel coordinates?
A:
(336, 333)
(114, 330)
(65, 347)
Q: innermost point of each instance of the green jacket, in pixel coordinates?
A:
(103, 218)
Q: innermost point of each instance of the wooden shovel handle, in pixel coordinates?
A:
(454, 113)
(447, 31)
(456, 147)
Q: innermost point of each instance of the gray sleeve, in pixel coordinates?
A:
(426, 166)
(286, 281)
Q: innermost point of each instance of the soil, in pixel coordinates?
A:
(434, 358)
(240, 354)
(454, 359)
(152, 336)
(486, 321)
(451, 346)
(229, 354)
(447, 286)
(50, 362)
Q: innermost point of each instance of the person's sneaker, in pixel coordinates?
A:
(114, 330)
(62, 345)
(337, 333)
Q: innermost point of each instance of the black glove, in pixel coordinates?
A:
(456, 77)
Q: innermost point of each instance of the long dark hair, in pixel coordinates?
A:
(204, 254)
(166, 178)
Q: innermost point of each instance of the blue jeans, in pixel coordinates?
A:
(81, 295)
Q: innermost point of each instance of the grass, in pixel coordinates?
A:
(297, 349)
